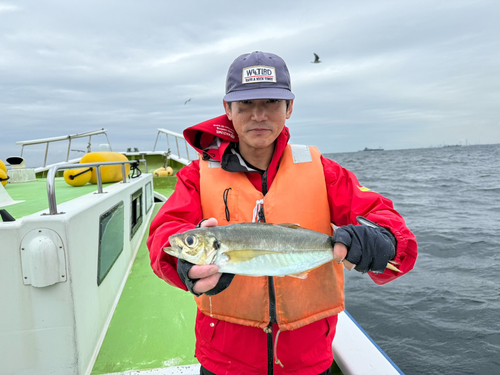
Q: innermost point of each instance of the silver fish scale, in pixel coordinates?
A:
(269, 237)
(297, 249)
(276, 264)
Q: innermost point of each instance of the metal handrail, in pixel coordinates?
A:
(62, 138)
(177, 136)
(51, 177)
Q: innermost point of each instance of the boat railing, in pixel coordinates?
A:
(68, 138)
(177, 136)
(51, 178)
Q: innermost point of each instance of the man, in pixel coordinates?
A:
(248, 172)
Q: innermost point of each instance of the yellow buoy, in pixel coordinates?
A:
(77, 177)
(3, 167)
(111, 173)
(3, 177)
(157, 172)
(163, 172)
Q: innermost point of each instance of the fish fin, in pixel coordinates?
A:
(303, 274)
(237, 256)
(168, 250)
(393, 268)
(289, 225)
(300, 275)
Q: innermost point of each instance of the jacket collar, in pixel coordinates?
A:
(216, 139)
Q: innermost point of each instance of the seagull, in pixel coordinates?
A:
(316, 59)
(187, 101)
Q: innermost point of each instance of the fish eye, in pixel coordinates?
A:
(191, 241)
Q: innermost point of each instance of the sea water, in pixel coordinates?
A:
(443, 317)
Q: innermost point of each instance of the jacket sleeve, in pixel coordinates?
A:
(181, 212)
(349, 199)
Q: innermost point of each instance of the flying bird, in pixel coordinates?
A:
(187, 101)
(316, 59)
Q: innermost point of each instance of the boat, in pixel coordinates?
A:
(78, 294)
(373, 149)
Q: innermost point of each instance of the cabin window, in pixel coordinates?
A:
(148, 193)
(135, 212)
(111, 234)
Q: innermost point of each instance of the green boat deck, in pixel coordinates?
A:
(153, 324)
(34, 195)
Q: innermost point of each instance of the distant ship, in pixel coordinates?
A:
(373, 149)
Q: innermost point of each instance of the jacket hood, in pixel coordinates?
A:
(212, 137)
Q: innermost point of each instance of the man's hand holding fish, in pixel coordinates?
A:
(208, 275)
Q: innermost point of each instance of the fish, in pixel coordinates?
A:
(255, 249)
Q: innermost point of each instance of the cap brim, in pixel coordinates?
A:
(263, 93)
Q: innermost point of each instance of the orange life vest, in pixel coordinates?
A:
(297, 195)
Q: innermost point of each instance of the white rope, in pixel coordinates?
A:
(258, 206)
(276, 360)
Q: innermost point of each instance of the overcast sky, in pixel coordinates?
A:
(394, 74)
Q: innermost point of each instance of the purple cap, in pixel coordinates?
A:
(258, 75)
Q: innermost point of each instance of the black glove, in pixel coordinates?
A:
(369, 245)
(183, 268)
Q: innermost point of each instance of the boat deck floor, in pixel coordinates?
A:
(33, 195)
(153, 324)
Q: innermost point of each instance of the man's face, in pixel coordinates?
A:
(258, 122)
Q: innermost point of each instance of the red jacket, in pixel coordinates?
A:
(220, 344)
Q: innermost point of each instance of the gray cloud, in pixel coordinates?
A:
(393, 74)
